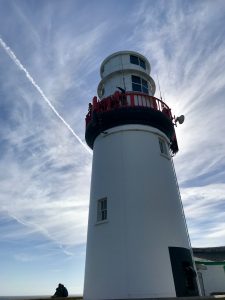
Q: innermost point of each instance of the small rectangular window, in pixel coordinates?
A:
(144, 86)
(136, 87)
(144, 83)
(134, 60)
(136, 79)
(142, 64)
(144, 90)
(137, 61)
(139, 84)
(102, 210)
(102, 91)
(163, 147)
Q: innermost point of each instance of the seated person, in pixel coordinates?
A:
(61, 291)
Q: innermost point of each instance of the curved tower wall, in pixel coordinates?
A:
(127, 256)
(137, 245)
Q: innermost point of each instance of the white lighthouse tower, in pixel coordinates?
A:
(138, 245)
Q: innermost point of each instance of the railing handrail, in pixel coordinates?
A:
(147, 96)
(119, 100)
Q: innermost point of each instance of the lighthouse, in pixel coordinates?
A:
(137, 245)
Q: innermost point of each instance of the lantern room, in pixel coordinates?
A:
(125, 71)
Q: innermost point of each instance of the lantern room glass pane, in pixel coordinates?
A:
(134, 60)
(136, 87)
(144, 83)
(142, 64)
(144, 90)
(136, 79)
(139, 84)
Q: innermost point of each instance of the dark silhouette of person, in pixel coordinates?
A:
(190, 275)
(123, 91)
(61, 291)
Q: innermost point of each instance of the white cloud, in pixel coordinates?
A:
(204, 210)
(185, 46)
(45, 173)
(46, 179)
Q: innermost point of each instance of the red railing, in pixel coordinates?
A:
(128, 99)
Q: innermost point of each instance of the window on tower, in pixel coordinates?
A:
(163, 147)
(102, 91)
(139, 84)
(136, 83)
(142, 63)
(144, 86)
(137, 61)
(134, 60)
(102, 210)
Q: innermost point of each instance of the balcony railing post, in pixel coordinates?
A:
(154, 103)
(132, 100)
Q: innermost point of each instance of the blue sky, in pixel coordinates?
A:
(45, 171)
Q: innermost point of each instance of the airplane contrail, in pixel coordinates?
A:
(30, 78)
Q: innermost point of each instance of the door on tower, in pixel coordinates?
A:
(184, 275)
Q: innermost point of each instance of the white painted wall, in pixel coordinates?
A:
(213, 279)
(127, 256)
(121, 60)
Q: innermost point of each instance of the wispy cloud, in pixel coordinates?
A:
(44, 180)
(205, 211)
(41, 188)
(45, 173)
(188, 54)
(49, 172)
(37, 87)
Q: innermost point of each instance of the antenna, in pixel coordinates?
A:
(123, 74)
(159, 86)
